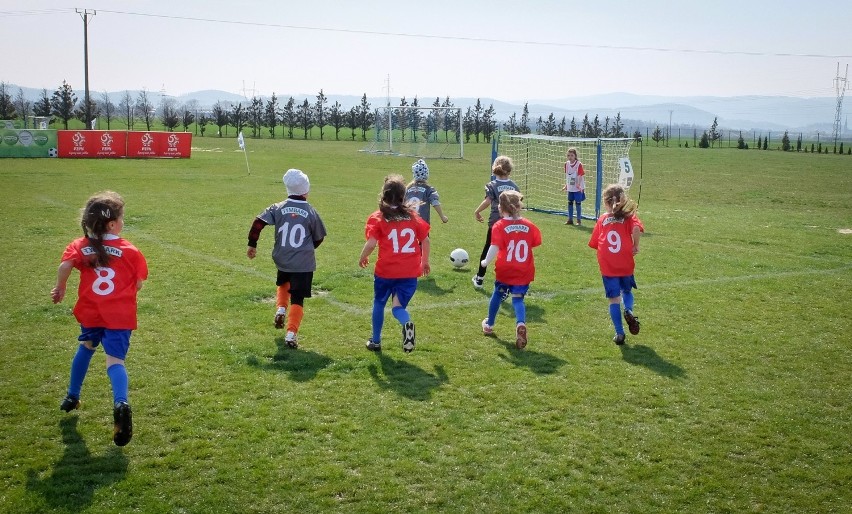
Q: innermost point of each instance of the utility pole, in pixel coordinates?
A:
(670, 125)
(840, 85)
(85, 14)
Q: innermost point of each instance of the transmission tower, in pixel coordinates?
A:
(841, 84)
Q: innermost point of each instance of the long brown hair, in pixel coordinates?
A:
(510, 203)
(100, 209)
(392, 200)
(615, 197)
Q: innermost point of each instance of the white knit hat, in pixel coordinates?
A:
(297, 182)
(420, 170)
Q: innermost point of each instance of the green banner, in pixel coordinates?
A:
(28, 143)
(11, 124)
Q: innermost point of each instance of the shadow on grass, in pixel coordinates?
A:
(641, 355)
(407, 379)
(301, 365)
(430, 286)
(71, 485)
(538, 362)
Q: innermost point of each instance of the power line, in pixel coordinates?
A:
(464, 38)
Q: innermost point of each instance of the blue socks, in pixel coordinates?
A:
(117, 374)
(401, 315)
(627, 297)
(579, 210)
(615, 314)
(520, 309)
(570, 209)
(494, 306)
(79, 368)
(378, 321)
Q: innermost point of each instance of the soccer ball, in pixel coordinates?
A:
(53, 152)
(459, 257)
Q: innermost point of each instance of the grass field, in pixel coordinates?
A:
(735, 397)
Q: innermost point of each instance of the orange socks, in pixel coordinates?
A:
(283, 295)
(294, 318)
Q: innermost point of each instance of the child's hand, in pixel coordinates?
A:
(478, 216)
(57, 294)
(364, 261)
(444, 219)
(251, 252)
(565, 187)
(426, 269)
(635, 249)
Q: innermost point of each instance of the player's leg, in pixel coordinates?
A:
(480, 272)
(282, 298)
(89, 340)
(381, 293)
(493, 307)
(579, 212)
(612, 287)
(404, 290)
(627, 286)
(116, 344)
(570, 210)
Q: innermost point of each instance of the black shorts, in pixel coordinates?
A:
(300, 281)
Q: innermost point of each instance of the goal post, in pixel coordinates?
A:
(426, 132)
(540, 168)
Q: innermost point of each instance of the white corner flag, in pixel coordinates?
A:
(242, 143)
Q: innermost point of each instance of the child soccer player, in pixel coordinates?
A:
(112, 271)
(420, 195)
(299, 230)
(512, 241)
(575, 185)
(403, 240)
(616, 238)
(501, 169)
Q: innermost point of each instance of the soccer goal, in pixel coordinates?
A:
(426, 132)
(540, 168)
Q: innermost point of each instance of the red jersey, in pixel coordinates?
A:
(107, 295)
(399, 245)
(613, 239)
(515, 239)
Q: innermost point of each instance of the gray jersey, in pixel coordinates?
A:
(297, 227)
(492, 192)
(422, 196)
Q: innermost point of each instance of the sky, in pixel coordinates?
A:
(512, 51)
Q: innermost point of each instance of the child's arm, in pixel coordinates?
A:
(476, 214)
(492, 252)
(636, 233)
(424, 262)
(58, 292)
(253, 235)
(440, 212)
(369, 246)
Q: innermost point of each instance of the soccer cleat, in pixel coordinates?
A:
(122, 429)
(521, 332)
(487, 329)
(619, 339)
(569, 222)
(290, 340)
(408, 337)
(477, 282)
(69, 403)
(632, 322)
(579, 223)
(279, 319)
(374, 347)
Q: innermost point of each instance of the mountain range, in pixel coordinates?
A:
(736, 113)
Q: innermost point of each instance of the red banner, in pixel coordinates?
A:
(95, 144)
(159, 144)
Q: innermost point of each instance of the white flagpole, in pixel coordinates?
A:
(242, 144)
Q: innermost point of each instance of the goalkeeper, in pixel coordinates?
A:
(575, 185)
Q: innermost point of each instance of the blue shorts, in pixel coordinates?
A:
(116, 342)
(576, 196)
(402, 288)
(507, 289)
(615, 285)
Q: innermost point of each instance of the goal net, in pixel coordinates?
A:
(540, 168)
(426, 132)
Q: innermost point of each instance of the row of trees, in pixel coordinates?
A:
(549, 127)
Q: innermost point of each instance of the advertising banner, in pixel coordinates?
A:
(92, 144)
(27, 143)
(159, 144)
